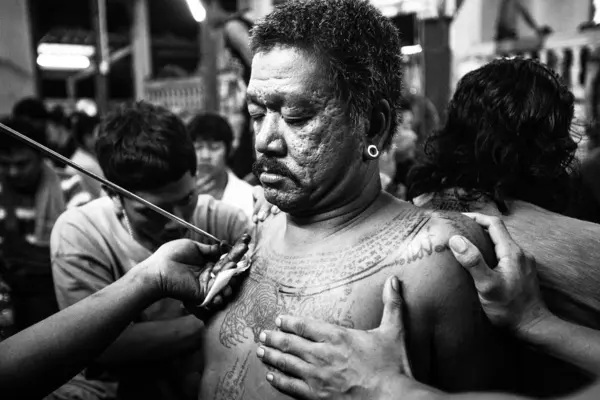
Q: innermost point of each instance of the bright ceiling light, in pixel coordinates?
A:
(197, 10)
(62, 48)
(410, 50)
(63, 61)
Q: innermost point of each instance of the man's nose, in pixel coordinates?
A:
(204, 154)
(268, 137)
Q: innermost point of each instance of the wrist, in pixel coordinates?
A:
(144, 280)
(540, 319)
(403, 387)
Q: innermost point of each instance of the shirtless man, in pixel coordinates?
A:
(322, 115)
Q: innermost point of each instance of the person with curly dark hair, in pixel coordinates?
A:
(507, 150)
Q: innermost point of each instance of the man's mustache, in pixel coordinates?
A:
(273, 167)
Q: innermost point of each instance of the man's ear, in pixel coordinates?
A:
(379, 124)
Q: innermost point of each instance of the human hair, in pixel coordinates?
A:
(32, 108)
(507, 135)
(9, 144)
(211, 127)
(358, 47)
(144, 147)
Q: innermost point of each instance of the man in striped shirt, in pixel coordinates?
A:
(33, 194)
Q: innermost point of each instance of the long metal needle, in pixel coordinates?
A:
(107, 183)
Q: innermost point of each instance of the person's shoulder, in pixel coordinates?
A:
(85, 217)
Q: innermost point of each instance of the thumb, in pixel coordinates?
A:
(471, 259)
(392, 306)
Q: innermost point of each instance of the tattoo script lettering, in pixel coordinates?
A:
(231, 385)
(301, 285)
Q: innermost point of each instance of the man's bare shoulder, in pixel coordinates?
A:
(429, 270)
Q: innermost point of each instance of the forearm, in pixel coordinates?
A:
(54, 350)
(148, 341)
(575, 344)
(407, 389)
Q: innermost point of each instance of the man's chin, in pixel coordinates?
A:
(286, 200)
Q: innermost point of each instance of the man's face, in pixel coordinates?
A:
(211, 156)
(178, 198)
(308, 153)
(21, 168)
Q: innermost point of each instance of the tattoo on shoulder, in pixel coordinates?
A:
(231, 384)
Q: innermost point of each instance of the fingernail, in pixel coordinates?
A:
(261, 215)
(260, 352)
(254, 219)
(278, 322)
(458, 244)
(395, 284)
(262, 337)
(270, 377)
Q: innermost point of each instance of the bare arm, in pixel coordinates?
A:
(510, 296)
(54, 350)
(146, 341)
(575, 344)
(467, 353)
(238, 36)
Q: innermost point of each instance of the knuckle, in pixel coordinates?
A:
(281, 364)
(284, 344)
(300, 328)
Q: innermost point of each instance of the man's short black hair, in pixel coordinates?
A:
(31, 108)
(144, 147)
(507, 135)
(8, 144)
(359, 47)
(211, 127)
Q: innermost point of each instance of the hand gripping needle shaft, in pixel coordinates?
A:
(111, 185)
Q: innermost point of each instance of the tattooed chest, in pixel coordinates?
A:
(261, 301)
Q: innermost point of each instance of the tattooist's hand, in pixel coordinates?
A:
(262, 208)
(509, 294)
(315, 360)
(185, 270)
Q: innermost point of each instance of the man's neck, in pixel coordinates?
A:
(314, 227)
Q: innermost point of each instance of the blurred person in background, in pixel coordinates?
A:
(60, 135)
(508, 18)
(425, 117)
(55, 125)
(506, 150)
(405, 144)
(236, 25)
(85, 131)
(213, 136)
(32, 196)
